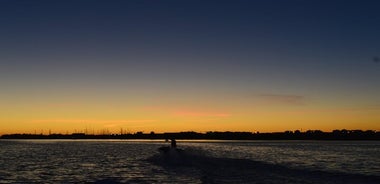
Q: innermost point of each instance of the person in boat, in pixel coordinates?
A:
(173, 143)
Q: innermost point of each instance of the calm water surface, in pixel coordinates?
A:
(119, 161)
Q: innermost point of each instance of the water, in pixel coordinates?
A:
(119, 161)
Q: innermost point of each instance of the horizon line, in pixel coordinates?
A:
(188, 131)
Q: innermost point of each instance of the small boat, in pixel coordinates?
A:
(164, 149)
(167, 149)
(172, 148)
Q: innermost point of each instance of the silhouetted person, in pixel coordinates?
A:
(173, 143)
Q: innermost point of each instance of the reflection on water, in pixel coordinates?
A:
(65, 161)
(73, 161)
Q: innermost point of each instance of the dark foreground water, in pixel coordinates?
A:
(117, 161)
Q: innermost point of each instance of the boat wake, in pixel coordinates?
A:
(211, 169)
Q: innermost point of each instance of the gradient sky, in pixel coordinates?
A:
(147, 65)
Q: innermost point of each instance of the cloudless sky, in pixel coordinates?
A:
(147, 65)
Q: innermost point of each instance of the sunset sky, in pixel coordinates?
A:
(189, 65)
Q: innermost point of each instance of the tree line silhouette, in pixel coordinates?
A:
(215, 135)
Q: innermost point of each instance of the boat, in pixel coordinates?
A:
(167, 149)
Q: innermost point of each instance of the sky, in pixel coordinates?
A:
(188, 65)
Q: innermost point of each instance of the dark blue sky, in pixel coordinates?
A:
(215, 39)
(316, 49)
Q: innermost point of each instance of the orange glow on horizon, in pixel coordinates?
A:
(267, 113)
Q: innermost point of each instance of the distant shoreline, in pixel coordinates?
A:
(287, 135)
